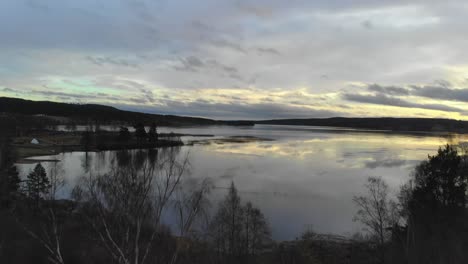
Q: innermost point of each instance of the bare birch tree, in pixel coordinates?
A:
(125, 206)
(377, 212)
(191, 203)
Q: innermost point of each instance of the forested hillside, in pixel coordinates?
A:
(92, 112)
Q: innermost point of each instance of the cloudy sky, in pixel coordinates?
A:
(240, 59)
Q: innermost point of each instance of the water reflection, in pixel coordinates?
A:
(304, 178)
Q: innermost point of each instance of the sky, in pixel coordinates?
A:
(240, 59)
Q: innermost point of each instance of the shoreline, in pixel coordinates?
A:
(56, 142)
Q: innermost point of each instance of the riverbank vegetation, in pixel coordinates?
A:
(53, 142)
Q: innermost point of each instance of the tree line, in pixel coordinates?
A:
(86, 113)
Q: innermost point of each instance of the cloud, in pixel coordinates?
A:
(190, 63)
(9, 90)
(380, 99)
(387, 163)
(233, 111)
(440, 92)
(224, 43)
(270, 51)
(148, 96)
(367, 24)
(50, 93)
(136, 51)
(389, 90)
(100, 61)
(195, 64)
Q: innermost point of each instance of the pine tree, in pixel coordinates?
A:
(140, 132)
(37, 184)
(124, 134)
(153, 133)
(9, 176)
(9, 185)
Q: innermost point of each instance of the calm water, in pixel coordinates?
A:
(304, 179)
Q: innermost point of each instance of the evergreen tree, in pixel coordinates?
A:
(37, 184)
(124, 134)
(9, 186)
(140, 131)
(153, 133)
(9, 176)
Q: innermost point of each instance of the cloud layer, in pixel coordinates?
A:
(240, 59)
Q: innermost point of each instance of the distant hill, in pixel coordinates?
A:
(107, 114)
(384, 123)
(102, 113)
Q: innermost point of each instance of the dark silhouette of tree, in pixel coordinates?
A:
(97, 126)
(124, 134)
(377, 212)
(86, 161)
(256, 230)
(140, 132)
(153, 133)
(433, 204)
(9, 186)
(9, 176)
(37, 184)
(46, 222)
(87, 139)
(238, 231)
(125, 207)
(228, 224)
(442, 179)
(191, 202)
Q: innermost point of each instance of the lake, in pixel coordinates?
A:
(305, 178)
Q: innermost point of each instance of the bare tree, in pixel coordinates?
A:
(227, 225)
(125, 207)
(56, 180)
(256, 229)
(238, 230)
(190, 204)
(377, 212)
